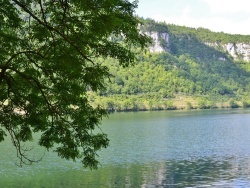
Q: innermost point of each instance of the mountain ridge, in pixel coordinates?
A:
(233, 45)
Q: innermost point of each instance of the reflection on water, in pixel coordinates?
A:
(200, 173)
(151, 149)
(229, 172)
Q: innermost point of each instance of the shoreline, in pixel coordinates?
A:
(176, 109)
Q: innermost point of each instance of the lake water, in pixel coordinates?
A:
(200, 148)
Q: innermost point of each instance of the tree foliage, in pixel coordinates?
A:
(48, 53)
(206, 35)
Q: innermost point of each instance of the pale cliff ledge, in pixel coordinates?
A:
(160, 43)
(238, 51)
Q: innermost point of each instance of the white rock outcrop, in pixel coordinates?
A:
(238, 50)
(158, 40)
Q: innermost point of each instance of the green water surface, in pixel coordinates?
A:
(200, 148)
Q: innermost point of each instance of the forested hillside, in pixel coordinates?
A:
(195, 71)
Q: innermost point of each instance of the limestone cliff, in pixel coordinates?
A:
(238, 51)
(160, 41)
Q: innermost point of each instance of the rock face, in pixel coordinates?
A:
(160, 42)
(238, 50)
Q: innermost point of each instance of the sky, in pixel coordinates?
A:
(228, 16)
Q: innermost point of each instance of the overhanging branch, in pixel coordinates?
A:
(52, 29)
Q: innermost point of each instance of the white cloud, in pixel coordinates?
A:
(214, 22)
(229, 16)
(229, 6)
(178, 20)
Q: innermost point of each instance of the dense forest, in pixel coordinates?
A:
(190, 74)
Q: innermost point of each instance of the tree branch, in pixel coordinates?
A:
(39, 87)
(23, 52)
(19, 149)
(42, 11)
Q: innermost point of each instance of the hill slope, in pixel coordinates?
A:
(184, 68)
